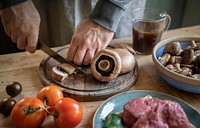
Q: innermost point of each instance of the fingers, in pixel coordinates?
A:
(32, 42)
(21, 42)
(79, 55)
(29, 42)
(71, 52)
(88, 57)
(14, 37)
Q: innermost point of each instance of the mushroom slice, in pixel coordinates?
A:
(67, 68)
(127, 59)
(106, 65)
(58, 74)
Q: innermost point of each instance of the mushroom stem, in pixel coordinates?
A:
(104, 65)
(193, 44)
(178, 67)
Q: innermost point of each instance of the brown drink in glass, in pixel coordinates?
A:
(148, 25)
(145, 35)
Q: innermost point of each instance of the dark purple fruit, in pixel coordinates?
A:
(13, 89)
(6, 106)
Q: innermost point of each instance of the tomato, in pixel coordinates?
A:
(28, 113)
(68, 113)
(50, 94)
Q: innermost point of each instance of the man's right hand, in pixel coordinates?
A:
(21, 23)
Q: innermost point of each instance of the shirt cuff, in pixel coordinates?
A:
(107, 14)
(8, 3)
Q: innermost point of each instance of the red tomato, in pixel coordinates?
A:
(69, 113)
(51, 94)
(28, 113)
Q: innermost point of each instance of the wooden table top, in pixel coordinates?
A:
(24, 68)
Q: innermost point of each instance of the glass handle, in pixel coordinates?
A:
(168, 22)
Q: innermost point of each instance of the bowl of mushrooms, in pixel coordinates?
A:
(177, 60)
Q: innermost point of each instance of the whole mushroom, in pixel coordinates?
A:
(106, 65)
(164, 58)
(173, 48)
(127, 59)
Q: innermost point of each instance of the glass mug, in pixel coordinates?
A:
(148, 25)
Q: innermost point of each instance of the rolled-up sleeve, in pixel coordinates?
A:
(108, 13)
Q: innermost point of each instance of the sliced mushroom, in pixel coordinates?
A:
(106, 65)
(58, 75)
(127, 59)
(164, 58)
(173, 48)
(67, 68)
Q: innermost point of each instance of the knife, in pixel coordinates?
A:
(56, 56)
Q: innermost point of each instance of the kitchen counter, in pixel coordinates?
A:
(24, 68)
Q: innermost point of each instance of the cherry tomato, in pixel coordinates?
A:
(28, 113)
(6, 106)
(50, 94)
(68, 113)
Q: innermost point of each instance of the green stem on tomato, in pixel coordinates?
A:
(45, 100)
(55, 114)
(29, 109)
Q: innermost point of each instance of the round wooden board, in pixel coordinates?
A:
(86, 88)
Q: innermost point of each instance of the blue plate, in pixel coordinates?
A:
(116, 103)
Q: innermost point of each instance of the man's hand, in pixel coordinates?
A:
(21, 23)
(88, 39)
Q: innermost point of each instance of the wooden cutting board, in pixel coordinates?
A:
(86, 88)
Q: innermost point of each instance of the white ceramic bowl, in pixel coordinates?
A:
(172, 78)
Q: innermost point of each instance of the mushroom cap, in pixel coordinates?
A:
(106, 65)
(127, 47)
(127, 59)
(173, 48)
(187, 56)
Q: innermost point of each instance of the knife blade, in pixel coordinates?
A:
(56, 56)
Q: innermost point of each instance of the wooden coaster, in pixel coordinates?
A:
(86, 88)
